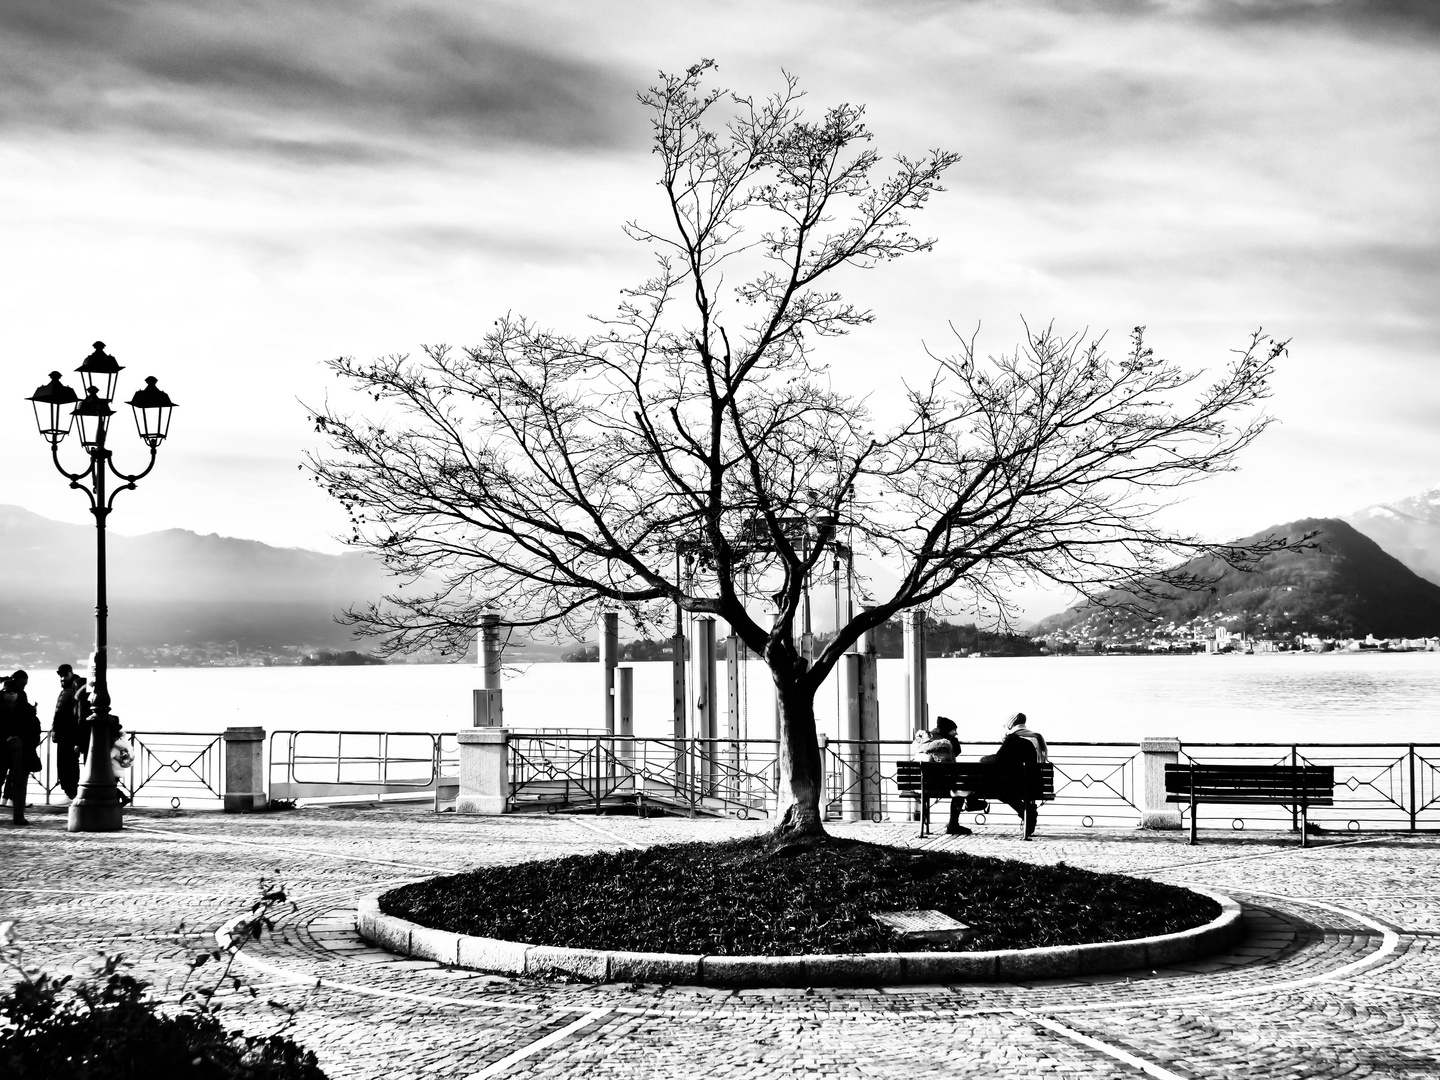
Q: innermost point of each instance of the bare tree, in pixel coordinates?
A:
(690, 451)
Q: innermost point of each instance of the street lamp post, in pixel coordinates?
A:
(96, 806)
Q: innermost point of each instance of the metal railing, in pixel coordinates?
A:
(710, 775)
(167, 768)
(1378, 786)
(1095, 783)
(362, 765)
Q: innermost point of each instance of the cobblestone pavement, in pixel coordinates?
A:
(1338, 975)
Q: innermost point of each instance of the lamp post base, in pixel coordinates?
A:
(96, 809)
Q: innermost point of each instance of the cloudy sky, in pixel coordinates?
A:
(230, 192)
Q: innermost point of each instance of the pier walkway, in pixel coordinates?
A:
(1339, 974)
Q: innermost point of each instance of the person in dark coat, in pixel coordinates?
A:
(20, 731)
(1017, 765)
(65, 731)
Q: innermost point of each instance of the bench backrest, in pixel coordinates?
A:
(1312, 784)
(942, 777)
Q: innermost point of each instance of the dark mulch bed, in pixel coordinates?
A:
(741, 898)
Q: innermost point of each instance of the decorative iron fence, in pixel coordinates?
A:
(699, 775)
(1378, 786)
(167, 768)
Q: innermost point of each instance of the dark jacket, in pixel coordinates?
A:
(1017, 766)
(66, 726)
(18, 719)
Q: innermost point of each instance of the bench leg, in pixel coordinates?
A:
(1304, 825)
(1194, 837)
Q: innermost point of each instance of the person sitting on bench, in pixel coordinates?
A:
(942, 745)
(1015, 765)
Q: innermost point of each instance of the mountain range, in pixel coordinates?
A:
(178, 596)
(1342, 586)
(173, 590)
(1408, 529)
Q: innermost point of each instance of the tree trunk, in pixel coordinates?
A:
(801, 778)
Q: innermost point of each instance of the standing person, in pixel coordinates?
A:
(942, 745)
(83, 709)
(1018, 763)
(65, 731)
(20, 728)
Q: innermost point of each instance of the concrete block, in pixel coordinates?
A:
(1106, 956)
(666, 969)
(434, 944)
(753, 971)
(855, 969)
(491, 954)
(1028, 965)
(244, 770)
(1216, 936)
(388, 933)
(588, 964)
(941, 968)
(484, 771)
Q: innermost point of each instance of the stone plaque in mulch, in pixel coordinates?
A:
(934, 927)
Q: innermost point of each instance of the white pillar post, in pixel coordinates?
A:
(608, 634)
(1155, 812)
(861, 725)
(703, 682)
(488, 708)
(244, 770)
(625, 717)
(484, 771)
(488, 653)
(917, 689)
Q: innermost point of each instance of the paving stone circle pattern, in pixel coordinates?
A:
(1337, 974)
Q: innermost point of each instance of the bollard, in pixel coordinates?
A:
(1155, 754)
(244, 770)
(484, 771)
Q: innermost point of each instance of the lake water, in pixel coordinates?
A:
(1331, 697)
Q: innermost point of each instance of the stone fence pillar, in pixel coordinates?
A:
(484, 771)
(1155, 812)
(244, 770)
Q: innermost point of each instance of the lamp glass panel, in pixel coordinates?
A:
(92, 427)
(54, 418)
(152, 422)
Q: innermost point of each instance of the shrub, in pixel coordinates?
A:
(105, 1025)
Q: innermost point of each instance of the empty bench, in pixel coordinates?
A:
(1301, 786)
(931, 780)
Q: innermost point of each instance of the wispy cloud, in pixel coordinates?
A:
(327, 81)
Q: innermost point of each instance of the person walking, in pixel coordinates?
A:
(65, 731)
(20, 735)
(1017, 763)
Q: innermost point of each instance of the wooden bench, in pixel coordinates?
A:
(1289, 785)
(931, 780)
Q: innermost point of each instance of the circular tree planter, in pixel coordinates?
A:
(857, 969)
